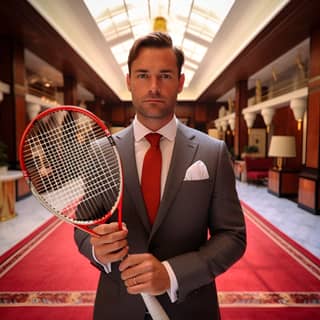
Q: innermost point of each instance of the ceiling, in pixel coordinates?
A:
(41, 74)
(192, 25)
(61, 38)
(243, 22)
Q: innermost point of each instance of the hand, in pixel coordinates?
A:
(112, 245)
(143, 273)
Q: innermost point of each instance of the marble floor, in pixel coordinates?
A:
(298, 224)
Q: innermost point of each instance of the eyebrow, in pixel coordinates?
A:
(161, 71)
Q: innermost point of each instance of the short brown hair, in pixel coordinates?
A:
(155, 40)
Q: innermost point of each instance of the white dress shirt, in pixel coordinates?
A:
(141, 145)
(167, 140)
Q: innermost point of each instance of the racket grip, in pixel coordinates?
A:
(154, 307)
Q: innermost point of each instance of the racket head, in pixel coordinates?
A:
(72, 166)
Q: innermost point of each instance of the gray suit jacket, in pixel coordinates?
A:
(188, 209)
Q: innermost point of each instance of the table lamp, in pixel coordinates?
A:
(282, 147)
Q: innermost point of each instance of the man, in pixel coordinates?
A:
(168, 255)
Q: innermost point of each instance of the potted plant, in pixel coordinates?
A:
(249, 150)
(3, 158)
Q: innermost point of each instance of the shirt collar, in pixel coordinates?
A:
(168, 131)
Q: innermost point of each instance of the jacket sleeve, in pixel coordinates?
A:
(82, 240)
(227, 241)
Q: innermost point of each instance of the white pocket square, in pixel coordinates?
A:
(197, 171)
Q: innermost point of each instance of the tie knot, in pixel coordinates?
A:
(154, 139)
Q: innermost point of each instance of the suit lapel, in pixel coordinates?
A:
(125, 145)
(183, 154)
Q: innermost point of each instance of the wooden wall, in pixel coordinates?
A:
(197, 115)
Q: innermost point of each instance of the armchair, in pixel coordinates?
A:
(257, 168)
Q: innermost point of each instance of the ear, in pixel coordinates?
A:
(181, 82)
(128, 82)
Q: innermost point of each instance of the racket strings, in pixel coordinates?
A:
(73, 165)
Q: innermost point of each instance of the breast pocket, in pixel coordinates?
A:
(193, 200)
(189, 212)
(196, 193)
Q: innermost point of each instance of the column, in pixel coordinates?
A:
(241, 131)
(13, 106)
(70, 90)
(13, 116)
(309, 179)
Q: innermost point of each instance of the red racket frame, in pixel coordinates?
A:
(82, 226)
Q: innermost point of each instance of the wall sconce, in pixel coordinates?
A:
(274, 74)
(222, 112)
(232, 123)
(298, 107)
(267, 115)
(258, 91)
(224, 125)
(230, 106)
(249, 117)
(282, 147)
(217, 125)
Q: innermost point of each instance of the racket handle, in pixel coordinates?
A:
(154, 307)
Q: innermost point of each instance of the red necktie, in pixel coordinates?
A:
(151, 175)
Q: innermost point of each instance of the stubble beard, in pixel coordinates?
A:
(153, 112)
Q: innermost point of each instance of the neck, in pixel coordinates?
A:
(154, 124)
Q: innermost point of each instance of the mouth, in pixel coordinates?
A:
(153, 100)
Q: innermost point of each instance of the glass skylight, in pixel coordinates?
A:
(191, 24)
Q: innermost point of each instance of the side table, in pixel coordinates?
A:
(8, 194)
(283, 183)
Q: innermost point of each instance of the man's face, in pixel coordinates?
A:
(154, 84)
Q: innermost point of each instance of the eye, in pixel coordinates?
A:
(142, 75)
(165, 76)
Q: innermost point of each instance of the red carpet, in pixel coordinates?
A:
(276, 278)
(44, 277)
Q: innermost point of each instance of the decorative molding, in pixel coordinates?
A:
(278, 102)
(19, 89)
(267, 108)
(222, 122)
(314, 79)
(4, 88)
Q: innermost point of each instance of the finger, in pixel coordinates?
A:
(131, 282)
(109, 237)
(101, 251)
(104, 229)
(137, 287)
(147, 283)
(133, 260)
(148, 266)
(138, 280)
(115, 256)
(110, 247)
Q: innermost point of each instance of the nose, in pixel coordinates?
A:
(154, 85)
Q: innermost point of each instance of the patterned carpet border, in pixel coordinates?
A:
(299, 254)
(226, 299)
(230, 299)
(11, 260)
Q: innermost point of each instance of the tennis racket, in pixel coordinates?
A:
(72, 166)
